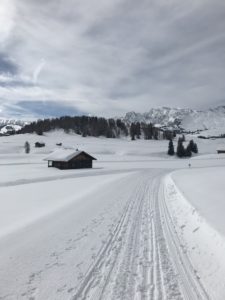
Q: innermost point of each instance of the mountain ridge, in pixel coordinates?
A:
(181, 118)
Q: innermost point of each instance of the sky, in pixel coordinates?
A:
(108, 57)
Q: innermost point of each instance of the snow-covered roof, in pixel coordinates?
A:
(65, 155)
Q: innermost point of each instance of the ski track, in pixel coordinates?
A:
(142, 258)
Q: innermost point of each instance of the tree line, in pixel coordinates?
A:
(98, 126)
(84, 125)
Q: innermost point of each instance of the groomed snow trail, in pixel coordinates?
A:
(142, 257)
(119, 243)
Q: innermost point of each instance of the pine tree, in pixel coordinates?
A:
(195, 148)
(138, 130)
(39, 132)
(180, 148)
(188, 152)
(156, 134)
(27, 147)
(132, 131)
(170, 148)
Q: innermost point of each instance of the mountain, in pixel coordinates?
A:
(4, 122)
(9, 126)
(10, 129)
(180, 118)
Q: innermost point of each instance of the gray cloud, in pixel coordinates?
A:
(39, 109)
(47, 108)
(7, 65)
(109, 57)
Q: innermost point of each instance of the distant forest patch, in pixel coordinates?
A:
(98, 126)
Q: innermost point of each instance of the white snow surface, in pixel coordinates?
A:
(9, 128)
(63, 154)
(198, 224)
(204, 189)
(122, 230)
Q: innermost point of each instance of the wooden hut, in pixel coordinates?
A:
(39, 145)
(69, 159)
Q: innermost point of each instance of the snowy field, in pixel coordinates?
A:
(139, 225)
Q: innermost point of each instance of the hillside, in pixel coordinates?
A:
(187, 119)
(58, 229)
(4, 122)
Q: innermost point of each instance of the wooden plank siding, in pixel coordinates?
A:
(80, 161)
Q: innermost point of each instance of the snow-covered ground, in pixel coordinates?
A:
(122, 230)
(204, 188)
(198, 210)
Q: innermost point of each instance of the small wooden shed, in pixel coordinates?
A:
(69, 159)
(39, 145)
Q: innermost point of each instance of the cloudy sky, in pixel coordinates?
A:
(107, 57)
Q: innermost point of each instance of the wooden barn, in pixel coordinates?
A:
(69, 159)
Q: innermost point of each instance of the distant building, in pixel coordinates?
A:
(69, 159)
(39, 145)
(221, 151)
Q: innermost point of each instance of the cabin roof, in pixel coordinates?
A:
(65, 155)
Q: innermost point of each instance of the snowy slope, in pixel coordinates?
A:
(196, 198)
(107, 232)
(10, 128)
(204, 188)
(4, 122)
(190, 120)
(164, 116)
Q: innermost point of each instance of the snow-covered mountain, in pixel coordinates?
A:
(8, 126)
(188, 119)
(4, 122)
(10, 129)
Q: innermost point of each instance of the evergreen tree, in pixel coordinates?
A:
(171, 148)
(39, 131)
(191, 144)
(147, 130)
(156, 134)
(195, 148)
(138, 130)
(132, 131)
(27, 147)
(188, 152)
(180, 148)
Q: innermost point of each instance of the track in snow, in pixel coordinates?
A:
(142, 257)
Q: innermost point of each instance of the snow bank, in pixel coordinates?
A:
(204, 188)
(204, 246)
(22, 205)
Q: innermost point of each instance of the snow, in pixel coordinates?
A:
(204, 189)
(212, 121)
(204, 246)
(123, 230)
(19, 210)
(9, 128)
(63, 155)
